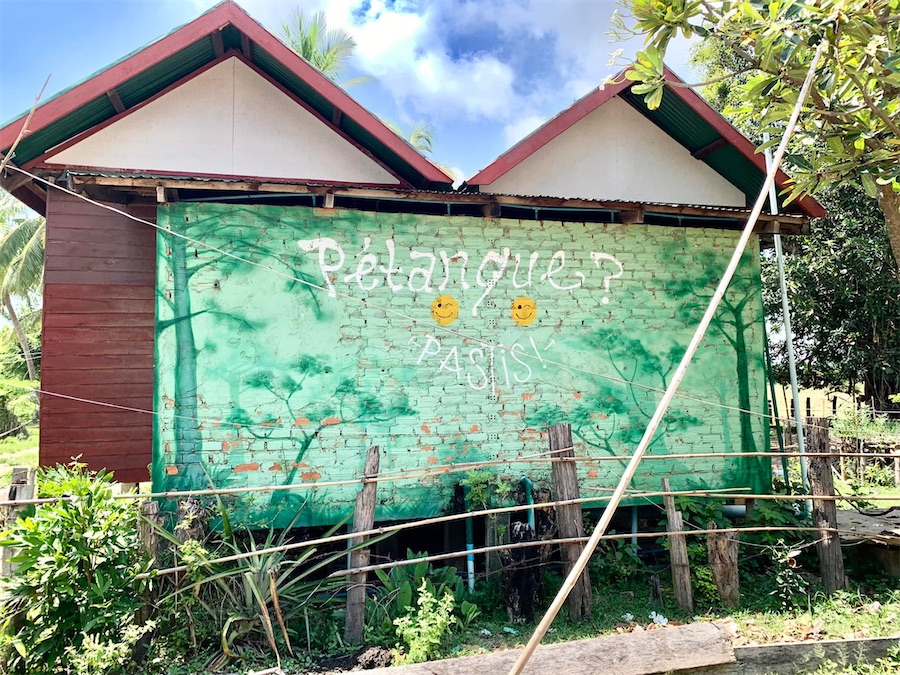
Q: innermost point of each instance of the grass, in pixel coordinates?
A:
(18, 451)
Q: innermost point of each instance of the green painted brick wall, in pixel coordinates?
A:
(283, 367)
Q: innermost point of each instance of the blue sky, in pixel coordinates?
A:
(482, 73)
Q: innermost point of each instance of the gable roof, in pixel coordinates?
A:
(685, 116)
(225, 28)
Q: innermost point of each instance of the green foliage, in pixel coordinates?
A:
(76, 590)
(859, 423)
(423, 629)
(18, 406)
(327, 50)
(848, 126)
(774, 513)
(400, 590)
(616, 562)
(486, 489)
(256, 602)
(791, 587)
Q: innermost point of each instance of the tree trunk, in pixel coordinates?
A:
(889, 201)
(20, 334)
(188, 440)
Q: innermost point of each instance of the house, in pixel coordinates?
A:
(250, 280)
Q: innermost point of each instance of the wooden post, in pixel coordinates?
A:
(147, 525)
(895, 450)
(824, 512)
(681, 566)
(569, 521)
(363, 519)
(722, 549)
(21, 488)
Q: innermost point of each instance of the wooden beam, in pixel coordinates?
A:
(632, 217)
(787, 224)
(14, 179)
(329, 200)
(709, 148)
(246, 47)
(116, 101)
(218, 45)
(674, 649)
(336, 117)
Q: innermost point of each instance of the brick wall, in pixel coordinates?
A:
(463, 347)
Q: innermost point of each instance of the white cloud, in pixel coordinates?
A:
(518, 129)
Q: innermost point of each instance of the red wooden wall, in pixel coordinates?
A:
(99, 286)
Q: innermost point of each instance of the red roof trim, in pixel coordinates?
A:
(589, 103)
(546, 133)
(112, 77)
(741, 143)
(56, 149)
(46, 158)
(217, 18)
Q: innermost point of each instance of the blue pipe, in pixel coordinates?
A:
(528, 486)
(470, 544)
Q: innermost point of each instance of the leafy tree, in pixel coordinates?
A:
(849, 125)
(838, 277)
(843, 284)
(21, 268)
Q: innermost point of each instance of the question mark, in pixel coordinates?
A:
(597, 257)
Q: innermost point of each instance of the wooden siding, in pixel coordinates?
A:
(98, 336)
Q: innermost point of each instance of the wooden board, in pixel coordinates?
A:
(800, 657)
(671, 649)
(97, 341)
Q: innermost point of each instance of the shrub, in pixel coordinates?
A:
(422, 629)
(76, 587)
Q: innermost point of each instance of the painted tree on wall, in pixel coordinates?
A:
(182, 260)
(613, 415)
(740, 312)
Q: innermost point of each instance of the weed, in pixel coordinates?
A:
(422, 630)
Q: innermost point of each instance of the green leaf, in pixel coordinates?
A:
(869, 185)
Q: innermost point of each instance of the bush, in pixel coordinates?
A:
(422, 629)
(76, 592)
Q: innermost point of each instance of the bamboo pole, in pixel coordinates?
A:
(677, 376)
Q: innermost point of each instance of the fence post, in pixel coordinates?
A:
(824, 512)
(21, 488)
(569, 521)
(722, 549)
(681, 566)
(363, 519)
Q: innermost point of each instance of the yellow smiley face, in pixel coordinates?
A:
(445, 309)
(524, 310)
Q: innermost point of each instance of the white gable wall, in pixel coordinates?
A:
(616, 153)
(227, 121)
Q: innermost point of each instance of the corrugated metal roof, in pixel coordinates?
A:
(404, 193)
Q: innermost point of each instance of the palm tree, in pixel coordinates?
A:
(329, 50)
(21, 266)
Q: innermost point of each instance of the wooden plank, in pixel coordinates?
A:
(117, 305)
(65, 336)
(133, 362)
(363, 519)
(805, 657)
(63, 319)
(54, 292)
(681, 567)
(100, 347)
(569, 518)
(672, 649)
(94, 390)
(59, 276)
(821, 482)
(61, 434)
(722, 552)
